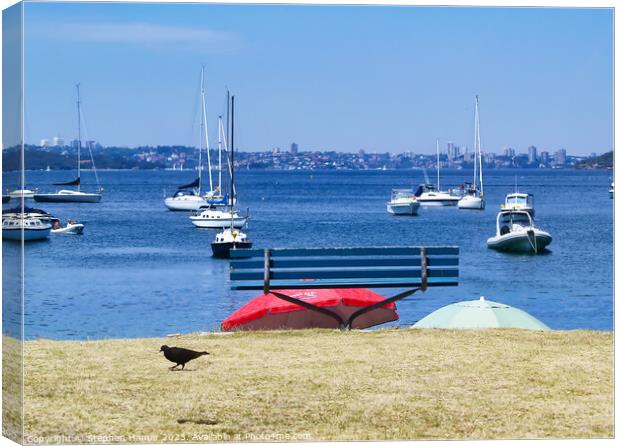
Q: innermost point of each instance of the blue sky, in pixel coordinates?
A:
(327, 77)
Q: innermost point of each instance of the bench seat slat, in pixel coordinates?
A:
(370, 251)
(341, 273)
(344, 283)
(343, 262)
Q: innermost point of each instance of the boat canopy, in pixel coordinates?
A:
(192, 185)
(26, 210)
(75, 182)
(519, 199)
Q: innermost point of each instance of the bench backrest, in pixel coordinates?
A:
(373, 267)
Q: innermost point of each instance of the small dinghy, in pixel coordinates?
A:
(71, 228)
(516, 232)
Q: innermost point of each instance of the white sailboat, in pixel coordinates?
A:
(230, 238)
(189, 197)
(71, 195)
(431, 195)
(211, 217)
(474, 197)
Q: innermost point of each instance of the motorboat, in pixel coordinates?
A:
(22, 227)
(71, 195)
(428, 195)
(227, 240)
(403, 202)
(474, 192)
(21, 193)
(515, 231)
(518, 201)
(72, 226)
(68, 196)
(611, 190)
(185, 200)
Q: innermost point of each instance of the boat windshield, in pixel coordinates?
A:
(515, 217)
(518, 200)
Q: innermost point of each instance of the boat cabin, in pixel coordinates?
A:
(519, 201)
(508, 221)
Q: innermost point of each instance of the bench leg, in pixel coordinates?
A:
(310, 306)
(347, 325)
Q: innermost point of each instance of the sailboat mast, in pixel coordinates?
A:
(202, 131)
(438, 165)
(479, 147)
(206, 129)
(219, 148)
(77, 86)
(475, 143)
(232, 150)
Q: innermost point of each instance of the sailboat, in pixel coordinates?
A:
(474, 197)
(230, 238)
(71, 195)
(210, 217)
(430, 195)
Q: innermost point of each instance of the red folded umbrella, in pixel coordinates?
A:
(268, 312)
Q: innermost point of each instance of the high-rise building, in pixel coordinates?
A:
(58, 141)
(532, 154)
(560, 157)
(544, 157)
(294, 148)
(45, 143)
(509, 151)
(450, 150)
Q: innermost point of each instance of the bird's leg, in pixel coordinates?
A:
(183, 366)
(174, 367)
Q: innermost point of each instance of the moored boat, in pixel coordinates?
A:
(227, 240)
(474, 195)
(515, 231)
(23, 227)
(211, 218)
(403, 202)
(21, 193)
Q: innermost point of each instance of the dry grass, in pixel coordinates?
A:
(324, 385)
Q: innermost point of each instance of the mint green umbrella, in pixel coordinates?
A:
(480, 313)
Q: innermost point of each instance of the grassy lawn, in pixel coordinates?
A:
(324, 385)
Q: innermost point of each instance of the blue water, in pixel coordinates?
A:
(141, 271)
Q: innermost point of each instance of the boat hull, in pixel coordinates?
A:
(29, 234)
(474, 203)
(403, 208)
(68, 198)
(528, 241)
(184, 205)
(75, 229)
(437, 202)
(212, 223)
(222, 250)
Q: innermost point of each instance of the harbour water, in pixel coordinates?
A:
(140, 270)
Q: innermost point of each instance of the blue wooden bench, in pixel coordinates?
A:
(411, 267)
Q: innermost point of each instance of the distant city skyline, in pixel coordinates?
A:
(326, 77)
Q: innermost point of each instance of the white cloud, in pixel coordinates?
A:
(143, 34)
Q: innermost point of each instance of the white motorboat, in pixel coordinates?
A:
(611, 190)
(71, 228)
(518, 201)
(70, 195)
(474, 196)
(21, 193)
(227, 240)
(23, 227)
(403, 202)
(515, 231)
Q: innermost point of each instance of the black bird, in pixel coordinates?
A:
(180, 356)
